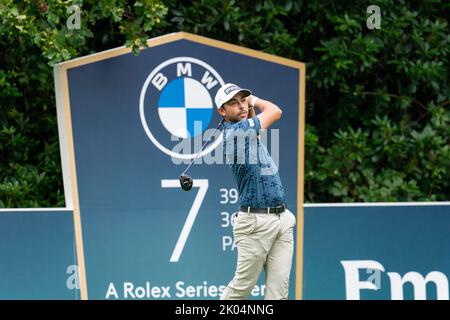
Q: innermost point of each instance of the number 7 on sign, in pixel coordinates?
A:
(202, 184)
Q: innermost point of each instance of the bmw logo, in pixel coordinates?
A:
(176, 101)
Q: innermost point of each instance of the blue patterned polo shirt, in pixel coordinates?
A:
(256, 173)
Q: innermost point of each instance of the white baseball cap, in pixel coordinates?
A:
(227, 91)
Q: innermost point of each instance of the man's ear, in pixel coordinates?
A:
(221, 111)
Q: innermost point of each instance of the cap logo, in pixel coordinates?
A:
(232, 88)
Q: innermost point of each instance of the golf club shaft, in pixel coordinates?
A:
(201, 149)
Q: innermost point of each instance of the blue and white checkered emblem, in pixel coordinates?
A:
(185, 107)
(176, 103)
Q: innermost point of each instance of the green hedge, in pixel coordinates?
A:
(378, 101)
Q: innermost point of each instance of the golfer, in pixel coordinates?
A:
(263, 227)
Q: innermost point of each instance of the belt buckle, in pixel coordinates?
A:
(268, 210)
(248, 209)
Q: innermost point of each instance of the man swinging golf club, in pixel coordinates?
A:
(263, 227)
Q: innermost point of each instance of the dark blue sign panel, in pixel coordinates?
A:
(37, 254)
(389, 251)
(136, 123)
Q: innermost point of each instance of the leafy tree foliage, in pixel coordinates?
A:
(33, 36)
(378, 101)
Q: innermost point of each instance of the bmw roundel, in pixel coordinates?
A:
(177, 102)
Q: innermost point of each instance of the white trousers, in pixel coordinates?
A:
(262, 240)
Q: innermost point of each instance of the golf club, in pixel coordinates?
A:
(186, 181)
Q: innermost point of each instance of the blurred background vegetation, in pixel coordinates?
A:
(378, 101)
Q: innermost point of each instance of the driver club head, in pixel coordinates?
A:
(186, 182)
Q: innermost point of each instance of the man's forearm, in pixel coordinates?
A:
(264, 105)
(270, 112)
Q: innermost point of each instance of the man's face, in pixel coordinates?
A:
(235, 109)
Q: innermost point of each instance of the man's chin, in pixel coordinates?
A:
(238, 118)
